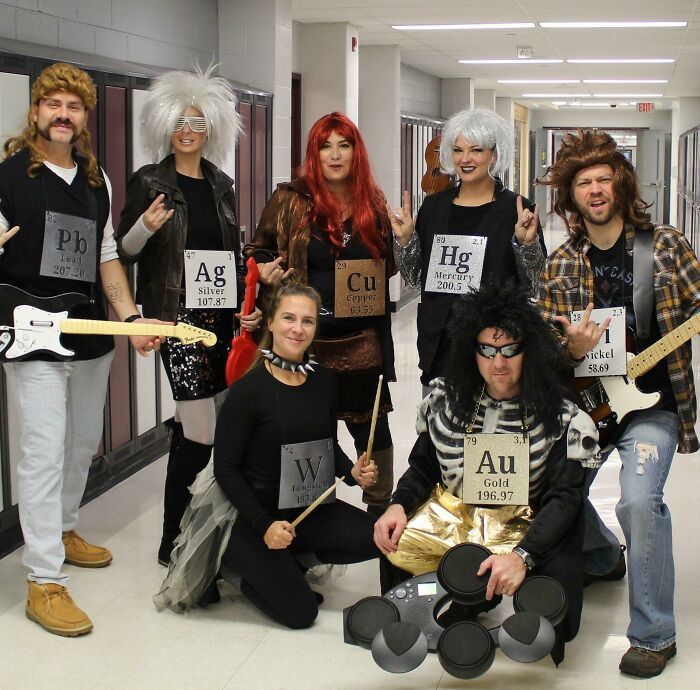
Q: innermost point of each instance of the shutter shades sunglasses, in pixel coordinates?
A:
(194, 122)
(507, 351)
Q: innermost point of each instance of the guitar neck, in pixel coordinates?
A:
(93, 327)
(649, 358)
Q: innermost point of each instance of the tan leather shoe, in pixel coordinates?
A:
(82, 554)
(51, 606)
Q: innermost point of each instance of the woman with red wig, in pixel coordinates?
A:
(330, 227)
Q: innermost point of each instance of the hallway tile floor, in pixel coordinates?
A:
(231, 646)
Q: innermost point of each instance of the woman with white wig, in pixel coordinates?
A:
(476, 229)
(177, 212)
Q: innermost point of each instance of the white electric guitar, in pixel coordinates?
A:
(30, 325)
(609, 399)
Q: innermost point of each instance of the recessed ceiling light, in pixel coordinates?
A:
(558, 102)
(462, 27)
(595, 104)
(539, 81)
(625, 81)
(521, 61)
(628, 95)
(612, 25)
(619, 61)
(556, 95)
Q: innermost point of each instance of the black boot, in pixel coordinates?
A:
(211, 594)
(187, 461)
(176, 436)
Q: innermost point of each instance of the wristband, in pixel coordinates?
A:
(131, 318)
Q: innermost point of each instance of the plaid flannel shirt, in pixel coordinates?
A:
(567, 285)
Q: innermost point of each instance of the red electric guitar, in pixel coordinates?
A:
(243, 347)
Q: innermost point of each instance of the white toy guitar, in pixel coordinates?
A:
(31, 325)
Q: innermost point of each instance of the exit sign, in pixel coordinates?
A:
(645, 107)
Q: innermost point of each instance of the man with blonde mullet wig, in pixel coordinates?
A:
(616, 257)
(56, 237)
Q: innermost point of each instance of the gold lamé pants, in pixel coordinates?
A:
(443, 521)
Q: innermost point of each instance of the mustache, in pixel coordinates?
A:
(62, 121)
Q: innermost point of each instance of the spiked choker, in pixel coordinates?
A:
(302, 367)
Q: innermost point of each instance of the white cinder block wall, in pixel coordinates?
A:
(165, 33)
(420, 92)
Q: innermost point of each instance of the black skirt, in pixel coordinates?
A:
(196, 371)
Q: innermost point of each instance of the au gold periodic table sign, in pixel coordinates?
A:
(496, 469)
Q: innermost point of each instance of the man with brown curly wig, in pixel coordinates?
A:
(56, 237)
(597, 197)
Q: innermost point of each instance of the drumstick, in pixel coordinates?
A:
(317, 502)
(375, 413)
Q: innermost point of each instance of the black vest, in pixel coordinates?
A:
(499, 262)
(24, 201)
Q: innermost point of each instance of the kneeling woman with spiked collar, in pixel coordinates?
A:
(501, 433)
(275, 451)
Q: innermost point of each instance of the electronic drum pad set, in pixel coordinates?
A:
(401, 627)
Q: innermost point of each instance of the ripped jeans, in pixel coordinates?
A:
(646, 449)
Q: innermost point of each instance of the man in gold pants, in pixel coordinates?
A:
(503, 378)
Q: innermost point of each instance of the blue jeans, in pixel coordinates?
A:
(646, 449)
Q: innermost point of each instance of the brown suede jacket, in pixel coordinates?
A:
(284, 230)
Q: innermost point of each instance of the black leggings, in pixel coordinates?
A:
(272, 579)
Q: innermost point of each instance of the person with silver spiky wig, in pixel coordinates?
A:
(185, 202)
(173, 93)
(477, 147)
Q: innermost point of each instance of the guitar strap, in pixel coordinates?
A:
(643, 294)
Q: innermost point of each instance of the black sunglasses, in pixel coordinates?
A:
(507, 351)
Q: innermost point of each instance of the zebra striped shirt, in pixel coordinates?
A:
(502, 417)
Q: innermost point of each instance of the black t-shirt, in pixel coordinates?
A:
(203, 226)
(499, 258)
(259, 415)
(465, 220)
(614, 287)
(320, 258)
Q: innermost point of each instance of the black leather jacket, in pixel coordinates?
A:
(161, 261)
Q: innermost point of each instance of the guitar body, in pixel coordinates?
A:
(243, 347)
(609, 399)
(29, 325)
(434, 180)
(32, 325)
